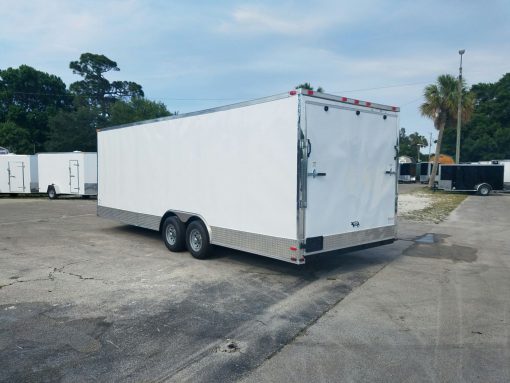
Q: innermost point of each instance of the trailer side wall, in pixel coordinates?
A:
(235, 168)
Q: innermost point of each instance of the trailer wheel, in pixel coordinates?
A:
(52, 194)
(173, 234)
(197, 240)
(484, 190)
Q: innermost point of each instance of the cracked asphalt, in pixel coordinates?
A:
(86, 299)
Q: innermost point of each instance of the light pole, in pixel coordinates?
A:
(459, 110)
(418, 146)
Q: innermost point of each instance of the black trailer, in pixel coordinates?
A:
(407, 172)
(471, 177)
(423, 171)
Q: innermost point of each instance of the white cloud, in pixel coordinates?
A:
(290, 19)
(252, 20)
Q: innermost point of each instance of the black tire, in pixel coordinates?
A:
(484, 190)
(197, 240)
(173, 232)
(52, 193)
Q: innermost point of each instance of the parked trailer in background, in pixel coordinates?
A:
(18, 174)
(407, 172)
(423, 171)
(480, 178)
(506, 176)
(72, 173)
(285, 176)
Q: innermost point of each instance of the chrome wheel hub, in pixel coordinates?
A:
(171, 235)
(195, 240)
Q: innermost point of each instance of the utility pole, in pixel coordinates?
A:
(459, 110)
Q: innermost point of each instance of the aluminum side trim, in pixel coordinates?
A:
(90, 188)
(273, 247)
(265, 245)
(357, 238)
(268, 246)
(137, 219)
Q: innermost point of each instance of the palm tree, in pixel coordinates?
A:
(441, 106)
(308, 86)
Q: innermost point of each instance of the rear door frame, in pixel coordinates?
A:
(303, 149)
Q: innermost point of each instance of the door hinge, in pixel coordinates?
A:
(302, 204)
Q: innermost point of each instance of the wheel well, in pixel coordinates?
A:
(484, 184)
(165, 216)
(190, 219)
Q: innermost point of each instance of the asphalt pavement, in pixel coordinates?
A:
(87, 299)
(438, 313)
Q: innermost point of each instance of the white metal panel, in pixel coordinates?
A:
(506, 177)
(237, 168)
(357, 153)
(34, 178)
(54, 170)
(21, 172)
(90, 168)
(4, 173)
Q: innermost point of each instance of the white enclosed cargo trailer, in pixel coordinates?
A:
(67, 173)
(284, 176)
(506, 176)
(18, 174)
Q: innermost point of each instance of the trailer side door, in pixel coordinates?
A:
(16, 172)
(74, 177)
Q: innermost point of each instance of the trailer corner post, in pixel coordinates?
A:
(302, 165)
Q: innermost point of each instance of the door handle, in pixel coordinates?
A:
(316, 174)
(390, 172)
(309, 148)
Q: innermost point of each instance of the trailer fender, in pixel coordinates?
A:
(483, 189)
(185, 218)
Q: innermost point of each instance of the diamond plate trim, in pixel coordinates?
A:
(357, 238)
(129, 217)
(266, 245)
(91, 188)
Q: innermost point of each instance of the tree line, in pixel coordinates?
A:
(485, 114)
(39, 113)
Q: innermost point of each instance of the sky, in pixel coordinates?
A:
(194, 55)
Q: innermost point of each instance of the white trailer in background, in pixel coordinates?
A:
(72, 173)
(18, 174)
(506, 176)
(285, 176)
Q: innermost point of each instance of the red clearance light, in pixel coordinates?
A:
(293, 92)
(368, 103)
(302, 259)
(356, 102)
(293, 248)
(344, 99)
(394, 108)
(310, 92)
(293, 258)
